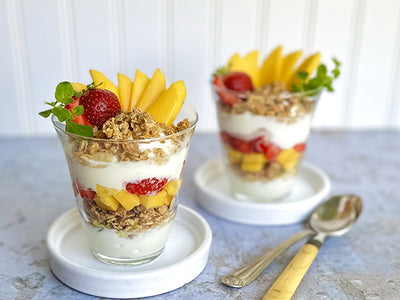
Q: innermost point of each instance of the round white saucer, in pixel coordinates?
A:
(312, 185)
(184, 258)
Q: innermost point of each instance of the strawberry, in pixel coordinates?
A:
(257, 144)
(238, 81)
(240, 145)
(271, 151)
(81, 120)
(300, 147)
(99, 105)
(226, 97)
(88, 194)
(225, 138)
(148, 186)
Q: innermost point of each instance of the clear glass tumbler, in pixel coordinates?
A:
(126, 190)
(264, 135)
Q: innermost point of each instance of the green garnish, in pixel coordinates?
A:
(64, 93)
(321, 79)
(222, 71)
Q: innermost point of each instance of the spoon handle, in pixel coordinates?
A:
(246, 274)
(287, 283)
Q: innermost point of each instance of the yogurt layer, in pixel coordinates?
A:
(248, 126)
(260, 190)
(107, 242)
(116, 174)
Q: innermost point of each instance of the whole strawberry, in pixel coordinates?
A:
(99, 105)
(238, 81)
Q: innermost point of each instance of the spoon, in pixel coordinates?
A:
(246, 274)
(334, 218)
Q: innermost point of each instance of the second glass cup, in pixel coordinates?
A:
(264, 135)
(126, 190)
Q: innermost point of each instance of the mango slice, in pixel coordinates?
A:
(125, 89)
(106, 202)
(78, 87)
(248, 65)
(168, 199)
(251, 167)
(153, 90)
(272, 67)
(235, 156)
(150, 201)
(167, 106)
(173, 187)
(103, 82)
(105, 191)
(288, 158)
(256, 158)
(309, 65)
(127, 200)
(138, 86)
(288, 64)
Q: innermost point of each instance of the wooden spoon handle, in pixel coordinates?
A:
(287, 283)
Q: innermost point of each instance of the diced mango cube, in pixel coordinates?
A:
(106, 202)
(150, 201)
(105, 191)
(252, 167)
(173, 187)
(168, 199)
(288, 158)
(254, 158)
(235, 156)
(127, 200)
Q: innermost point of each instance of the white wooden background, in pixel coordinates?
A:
(43, 42)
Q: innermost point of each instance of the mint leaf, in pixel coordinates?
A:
(336, 62)
(46, 113)
(77, 110)
(296, 88)
(83, 130)
(64, 92)
(321, 71)
(302, 75)
(62, 113)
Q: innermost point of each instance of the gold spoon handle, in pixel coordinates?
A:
(287, 283)
(246, 274)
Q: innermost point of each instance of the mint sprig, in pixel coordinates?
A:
(64, 93)
(322, 79)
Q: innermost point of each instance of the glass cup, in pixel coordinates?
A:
(126, 190)
(264, 135)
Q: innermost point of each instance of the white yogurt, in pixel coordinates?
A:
(248, 126)
(107, 242)
(116, 174)
(248, 190)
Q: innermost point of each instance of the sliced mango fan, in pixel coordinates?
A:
(277, 67)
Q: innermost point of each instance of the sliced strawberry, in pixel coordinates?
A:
(81, 120)
(148, 186)
(300, 147)
(99, 105)
(240, 145)
(271, 151)
(238, 81)
(80, 189)
(225, 137)
(257, 144)
(228, 98)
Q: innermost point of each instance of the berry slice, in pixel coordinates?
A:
(81, 120)
(240, 145)
(99, 105)
(271, 151)
(148, 186)
(238, 81)
(300, 147)
(257, 145)
(225, 97)
(79, 189)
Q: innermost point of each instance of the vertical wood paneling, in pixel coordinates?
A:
(238, 28)
(45, 60)
(333, 39)
(8, 75)
(143, 36)
(20, 66)
(190, 57)
(117, 34)
(368, 108)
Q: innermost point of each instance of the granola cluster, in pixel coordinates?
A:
(136, 220)
(118, 134)
(271, 100)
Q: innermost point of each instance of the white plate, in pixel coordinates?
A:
(184, 258)
(312, 185)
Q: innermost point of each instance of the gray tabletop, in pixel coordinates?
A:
(364, 264)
